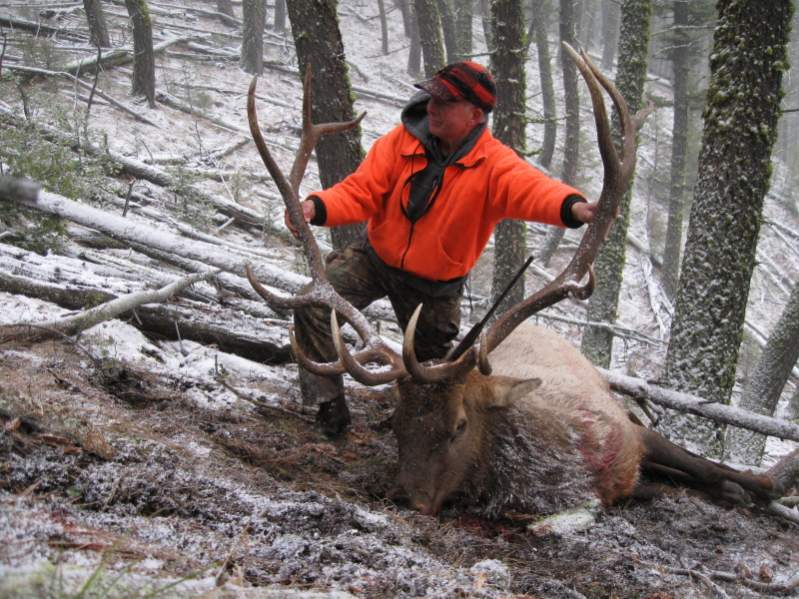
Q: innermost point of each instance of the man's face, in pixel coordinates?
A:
(451, 121)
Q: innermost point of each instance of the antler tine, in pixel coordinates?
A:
(617, 175)
(354, 365)
(312, 132)
(436, 373)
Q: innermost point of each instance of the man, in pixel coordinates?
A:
(432, 191)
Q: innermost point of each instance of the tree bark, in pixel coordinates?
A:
(734, 166)
(447, 16)
(611, 17)
(225, 7)
(763, 389)
(507, 65)
(314, 25)
(571, 151)
(381, 7)
(540, 9)
(252, 43)
(98, 30)
(679, 146)
(144, 57)
(464, 13)
(429, 22)
(280, 16)
(415, 48)
(597, 342)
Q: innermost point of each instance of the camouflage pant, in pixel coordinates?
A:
(361, 279)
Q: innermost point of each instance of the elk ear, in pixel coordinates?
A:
(512, 390)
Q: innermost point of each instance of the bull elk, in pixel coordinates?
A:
(540, 433)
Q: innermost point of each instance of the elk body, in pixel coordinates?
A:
(540, 435)
(536, 428)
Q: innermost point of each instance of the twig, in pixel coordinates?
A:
(92, 92)
(261, 406)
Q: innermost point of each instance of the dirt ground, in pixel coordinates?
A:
(107, 469)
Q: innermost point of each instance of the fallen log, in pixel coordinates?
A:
(684, 402)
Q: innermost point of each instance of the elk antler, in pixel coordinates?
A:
(321, 292)
(617, 175)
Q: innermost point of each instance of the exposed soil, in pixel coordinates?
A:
(116, 464)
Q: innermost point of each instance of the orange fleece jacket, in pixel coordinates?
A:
(488, 184)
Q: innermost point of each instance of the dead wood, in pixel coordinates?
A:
(38, 28)
(117, 104)
(684, 402)
(244, 216)
(72, 325)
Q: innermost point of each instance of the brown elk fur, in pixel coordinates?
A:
(542, 434)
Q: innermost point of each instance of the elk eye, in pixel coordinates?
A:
(459, 429)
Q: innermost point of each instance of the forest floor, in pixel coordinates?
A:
(113, 471)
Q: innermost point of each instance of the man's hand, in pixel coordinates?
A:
(584, 211)
(308, 212)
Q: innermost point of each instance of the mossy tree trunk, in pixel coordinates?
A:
(507, 65)
(763, 389)
(314, 25)
(98, 30)
(597, 343)
(252, 36)
(743, 107)
(429, 22)
(144, 57)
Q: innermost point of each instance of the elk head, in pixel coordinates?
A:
(438, 419)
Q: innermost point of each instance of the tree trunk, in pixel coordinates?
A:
(144, 57)
(597, 342)
(571, 157)
(488, 28)
(98, 31)
(429, 23)
(280, 16)
(415, 49)
(463, 28)
(680, 56)
(252, 42)
(314, 25)
(611, 17)
(381, 8)
(225, 7)
(447, 16)
(734, 166)
(507, 65)
(540, 8)
(765, 385)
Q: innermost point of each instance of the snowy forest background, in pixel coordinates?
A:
(167, 445)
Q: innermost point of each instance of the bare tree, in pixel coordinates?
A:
(252, 42)
(381, 8)
(611, 16)
(734, 167)
(765, 385)
(464, 13)
(429, 23)
(314, 25)
(447, 16)
(540, 8)
(98, 30)
(571, 158)
(280, 16)
(144, 58)
(507, 64)
(225, 7)
(597, 342)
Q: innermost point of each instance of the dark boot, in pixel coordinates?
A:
(333, 417)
